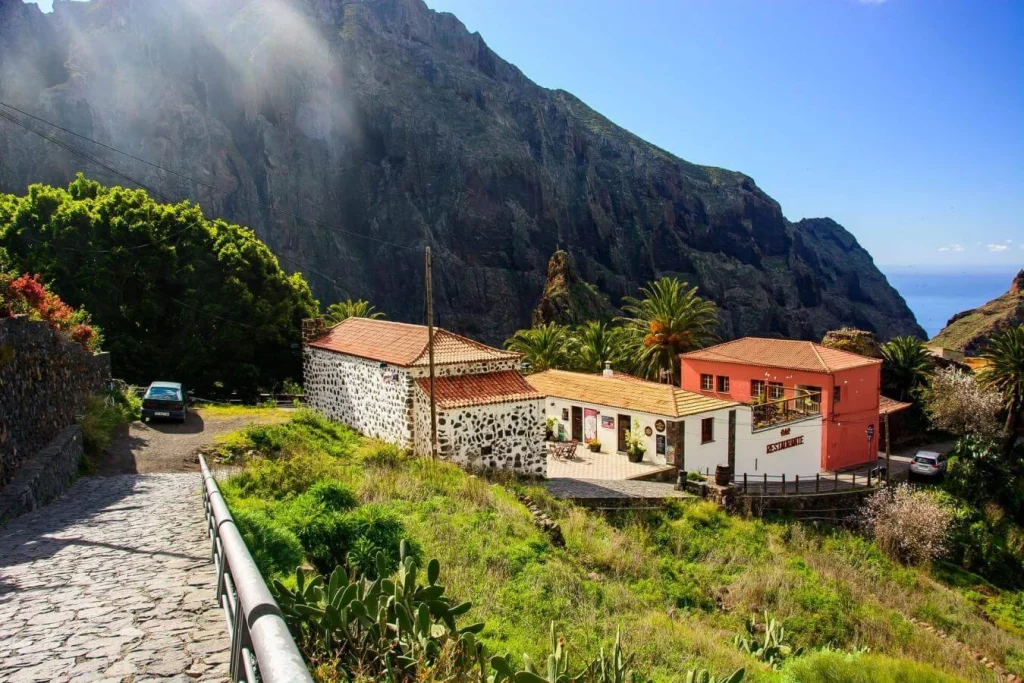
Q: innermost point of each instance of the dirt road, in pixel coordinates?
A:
(144, 448)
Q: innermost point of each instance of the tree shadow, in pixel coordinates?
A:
(31, 537)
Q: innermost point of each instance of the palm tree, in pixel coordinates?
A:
(1005, 374)
(352, 309)
(906, 365)
(543, 347)
(670, 319)
(594, 343)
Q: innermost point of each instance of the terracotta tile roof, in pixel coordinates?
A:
(782, 353)
(888, 405)
(625, 392)
(404, 344)
(474, 390)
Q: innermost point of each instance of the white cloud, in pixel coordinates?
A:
(953, 247)
(997, 247)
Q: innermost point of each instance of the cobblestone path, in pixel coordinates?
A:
(112, 582)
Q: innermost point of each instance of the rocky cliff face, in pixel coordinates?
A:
(969, 331)
(339, 129)
(567, 299)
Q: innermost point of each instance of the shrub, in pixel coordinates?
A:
(286, 477)
(275, 549)
(830, 666)
(334, 495)
(104, 413)
(376, 530)
(27, 295)
(956, 402)
(909, 525)
(380, 454)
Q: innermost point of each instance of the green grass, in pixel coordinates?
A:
(679, 583)
(104, 413)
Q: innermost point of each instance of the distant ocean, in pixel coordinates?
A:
(937, 295)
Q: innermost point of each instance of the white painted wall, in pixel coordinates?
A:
(751, 447)
(609, 438)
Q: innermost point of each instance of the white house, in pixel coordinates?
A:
(682, 428)
(373, 375)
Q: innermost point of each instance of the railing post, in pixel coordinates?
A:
(796, 486)
(764, 491)
(835, 481)
(783, 483)
(744, 482)
(869, 478)
(817, 482)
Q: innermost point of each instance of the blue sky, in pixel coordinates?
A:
(901, 119)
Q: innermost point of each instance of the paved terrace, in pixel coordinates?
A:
(112, 582)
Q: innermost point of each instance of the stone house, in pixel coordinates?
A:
(373, 375)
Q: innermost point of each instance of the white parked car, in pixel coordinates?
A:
(928, 464)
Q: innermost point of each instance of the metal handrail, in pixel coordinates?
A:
(262, 649)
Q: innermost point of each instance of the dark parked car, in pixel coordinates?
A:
(164, 400)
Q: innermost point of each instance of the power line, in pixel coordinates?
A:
(229, 193)
(12, 119)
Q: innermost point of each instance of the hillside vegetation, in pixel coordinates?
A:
(969, 331)
(178, 297)
(680, 584)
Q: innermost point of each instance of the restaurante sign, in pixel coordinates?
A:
(782, 445)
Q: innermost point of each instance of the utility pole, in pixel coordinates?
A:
(430, 360)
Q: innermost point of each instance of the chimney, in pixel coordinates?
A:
(313, 329)
(607, 369)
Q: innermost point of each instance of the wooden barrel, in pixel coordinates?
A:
(722, 475)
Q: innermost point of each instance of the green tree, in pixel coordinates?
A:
(906, 365)
(179, 297)
(1005, 373)
(592, 344)
(668, 320)
(352, 309)
(544, 347)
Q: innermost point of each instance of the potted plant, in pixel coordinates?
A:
(549, 434)
(594, 445)
(635, 447)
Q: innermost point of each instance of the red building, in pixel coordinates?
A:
(785, 381)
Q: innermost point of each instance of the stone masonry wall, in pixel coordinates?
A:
(45, 476)
(496, 436)
(374, 400)
(45, 380)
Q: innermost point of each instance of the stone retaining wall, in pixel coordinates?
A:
(45, 380)
(45, 476)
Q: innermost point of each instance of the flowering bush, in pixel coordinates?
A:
(956, 402)
(27, 295)
(908, 524)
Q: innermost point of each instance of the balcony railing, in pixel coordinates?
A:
(773, 412)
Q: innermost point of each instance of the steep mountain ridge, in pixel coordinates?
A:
(384, 119)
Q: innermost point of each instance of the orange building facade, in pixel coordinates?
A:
(792, 380)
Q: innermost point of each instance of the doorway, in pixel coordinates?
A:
(577, 423)
(625, 421)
